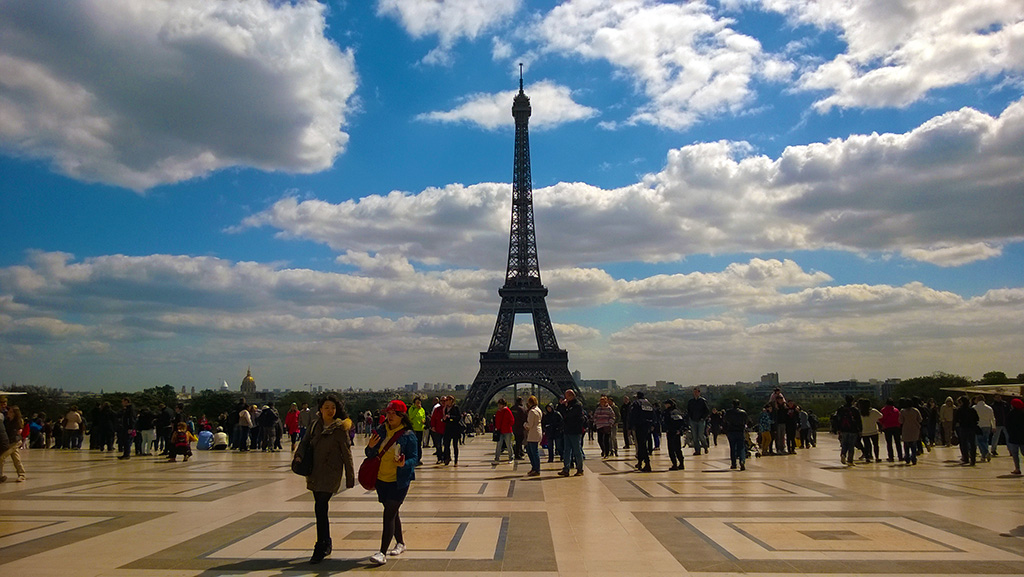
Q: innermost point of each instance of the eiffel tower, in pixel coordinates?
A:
(547, 366)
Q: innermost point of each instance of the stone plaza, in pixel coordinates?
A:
(85, 514)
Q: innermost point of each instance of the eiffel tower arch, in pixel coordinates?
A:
(547, 366)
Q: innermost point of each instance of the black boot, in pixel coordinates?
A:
(320, 550)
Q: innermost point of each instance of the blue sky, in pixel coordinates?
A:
(320, 190)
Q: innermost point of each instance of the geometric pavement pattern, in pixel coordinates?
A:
(84, 513)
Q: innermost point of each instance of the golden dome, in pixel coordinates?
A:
(248, 383)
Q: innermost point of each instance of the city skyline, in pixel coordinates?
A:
(320, 190)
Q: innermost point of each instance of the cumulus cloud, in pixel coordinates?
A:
(426, 321)
(946, 192)
(449, 20)
(555, 106)
(835, 332)
(138, 95)
(897, 53)
(686, 60)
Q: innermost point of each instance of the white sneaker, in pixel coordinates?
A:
(378, 558)
(398, 550)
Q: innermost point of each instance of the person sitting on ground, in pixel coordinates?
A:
(220, 440)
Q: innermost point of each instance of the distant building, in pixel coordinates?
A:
(248, 383)
(598, 384)
(770, 380)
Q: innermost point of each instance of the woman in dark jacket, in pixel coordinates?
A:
(551, 424)
(331, 448)
(397, 470)
(965, 419)
(452, 430)
(1015, 432)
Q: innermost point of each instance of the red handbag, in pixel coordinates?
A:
(371, 465)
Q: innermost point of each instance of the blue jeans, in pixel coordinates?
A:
(555, 446)
(847, 444)
(533, 451)
(737, 447)
(700, 434)
(504, 441)
(983, 436)
(910, 452)
(572, 452)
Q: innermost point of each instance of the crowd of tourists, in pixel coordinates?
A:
(161, 431)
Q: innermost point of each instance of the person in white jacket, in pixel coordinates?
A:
(986, 421)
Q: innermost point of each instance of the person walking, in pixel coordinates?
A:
(890, 425)
(437, 429)
(869, 417)
(519, 427)
(503, 421)
(452, 430)
(1000, 409)
(946, 413)
(735, 423)
(986, 422)
(11, 425)
(765, 425)
(1015, 432)
(573, 422)
(418, 418)
(126, 431)
(675, 423)
(604, 421)
(848, 425)
(330, 447)
(641, 420)
(533, 435)
(910, 430)
(396, 473)
(966, 420)
(291, 423)
(552, 426)
(698, 411)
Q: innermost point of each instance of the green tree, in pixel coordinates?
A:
(211, 404)
(930, 387)
(994, 378)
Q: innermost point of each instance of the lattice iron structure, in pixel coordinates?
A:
(546, 366)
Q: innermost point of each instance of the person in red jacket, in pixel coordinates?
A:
(437, 430)
(503, 421)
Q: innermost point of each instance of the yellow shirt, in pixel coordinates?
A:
(388, 471)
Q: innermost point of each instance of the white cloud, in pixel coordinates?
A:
(388, 322)
(954, 255)
(142, 94)
(946, 192)
(834, 332)
(450, 20)
(688, 62)
(555, 106)
(898, 52)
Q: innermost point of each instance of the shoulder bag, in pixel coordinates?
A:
(302, 462)
(371, 465)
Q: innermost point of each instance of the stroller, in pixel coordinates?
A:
(753, 449)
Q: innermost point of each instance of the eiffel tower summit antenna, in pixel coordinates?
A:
(547, 366)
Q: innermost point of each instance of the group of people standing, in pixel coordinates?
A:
(784, 426)
(910, 429)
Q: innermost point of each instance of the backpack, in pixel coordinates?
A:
(846, 420)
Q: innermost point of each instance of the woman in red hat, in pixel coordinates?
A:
(401, 454)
